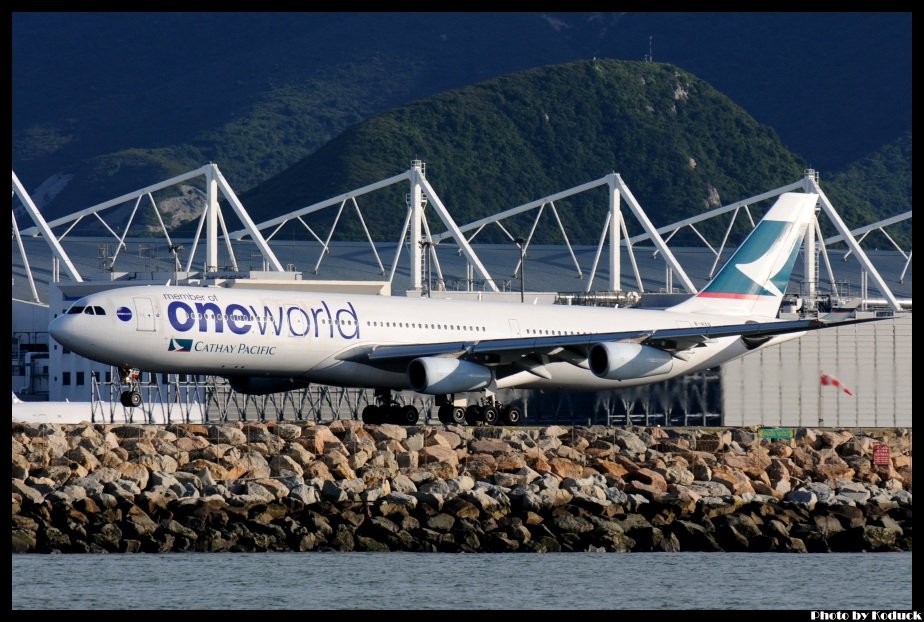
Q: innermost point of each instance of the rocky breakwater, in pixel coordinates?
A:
(348, 486)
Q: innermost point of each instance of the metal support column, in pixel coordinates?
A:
(416, 216)
(809, 260)
(211, 221)
(614, 220)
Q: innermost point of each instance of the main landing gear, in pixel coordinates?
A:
(132, 397)
(387, 410)
(488, 411)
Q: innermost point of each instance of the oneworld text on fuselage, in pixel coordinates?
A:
(279, 320)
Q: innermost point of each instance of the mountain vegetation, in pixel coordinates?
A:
(876, 187)
(104, 103)
(681, 146)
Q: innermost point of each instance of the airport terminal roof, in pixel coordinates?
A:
(548, 267)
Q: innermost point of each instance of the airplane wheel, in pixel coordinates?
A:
(408, 415)
(472, 415)
(445, 414)
(392, 415)
(130, 399)
(512, 415)
(490, 415)
(371, 414)
(457, 416)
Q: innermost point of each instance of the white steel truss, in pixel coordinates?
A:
(415, 224)
(211, 218)
(614, 224)
(422, 243)
(43, 227)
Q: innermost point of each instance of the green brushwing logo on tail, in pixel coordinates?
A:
(180, 345)
(761, 266)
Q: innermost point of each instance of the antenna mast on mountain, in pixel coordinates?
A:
(650, 53)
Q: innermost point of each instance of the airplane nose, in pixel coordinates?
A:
(59, 331)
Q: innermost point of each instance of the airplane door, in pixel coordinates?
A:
(144, 310)
(514, 328)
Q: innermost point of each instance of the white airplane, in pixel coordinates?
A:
(266, 342)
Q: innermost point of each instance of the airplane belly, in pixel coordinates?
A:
(352, 374)
(567, 377)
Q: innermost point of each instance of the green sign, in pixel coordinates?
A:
(777, 433)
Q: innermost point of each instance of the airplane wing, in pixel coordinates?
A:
(672, 340)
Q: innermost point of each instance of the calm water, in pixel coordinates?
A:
(463, 581)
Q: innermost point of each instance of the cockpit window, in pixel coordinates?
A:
(88, 311)
(74, 310)
(99, 311)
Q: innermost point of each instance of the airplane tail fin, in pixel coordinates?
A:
(754, 279)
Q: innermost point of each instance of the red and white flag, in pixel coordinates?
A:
(828, 379)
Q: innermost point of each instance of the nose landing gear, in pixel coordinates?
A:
(132, 397)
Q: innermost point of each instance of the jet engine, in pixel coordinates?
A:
(437, 376)
(259, 385)
(626, 361)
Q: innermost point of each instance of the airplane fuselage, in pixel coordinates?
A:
(311, 336)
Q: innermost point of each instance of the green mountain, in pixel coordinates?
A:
(107, 102)
(680, 145)
(876, 187)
